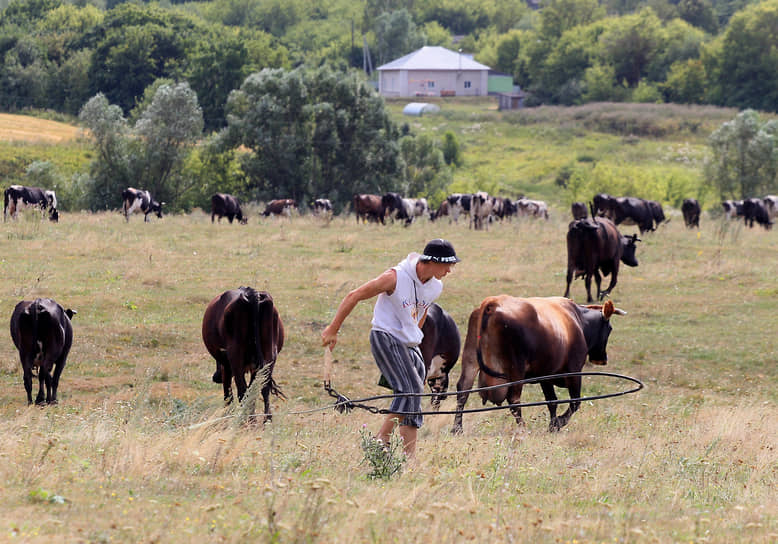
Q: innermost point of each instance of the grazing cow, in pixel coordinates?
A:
(732, 208)
(136, 200)
(480, 210)
(509, 208)
(281, 206)
(322, 207)
(442, 210)
(397, 207)
(755, 210)
(244, 333)
(771, 204)
(459, 204)
(224, 205)
(691, 212)
(17, 196)
(532, 208)
(439, 349)
(594, 246)
(579, 211)
(656, 212)
(368, 208)
(42, 333)
(420, 207)
(511, 339)
(630, 211)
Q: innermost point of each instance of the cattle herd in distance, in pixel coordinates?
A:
(244, 333)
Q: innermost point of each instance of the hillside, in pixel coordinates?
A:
(23, 128)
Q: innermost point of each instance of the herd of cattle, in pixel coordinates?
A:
(508, 338)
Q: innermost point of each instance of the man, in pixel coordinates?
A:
(405, 293)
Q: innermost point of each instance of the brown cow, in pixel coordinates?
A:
(579, 211)
(368, 208)
(281, 206)
(244, 333)
(511, 339)
(41, 331)
(691, 212)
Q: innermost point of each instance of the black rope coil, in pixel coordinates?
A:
(344, 405)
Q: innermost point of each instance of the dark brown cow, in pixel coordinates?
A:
(42, 333)
(691, 212)
(244, 333)
(579, 211)
(281, 206)
(368, 208)
(225, 205)
(511, 339)
(439, 349)
(441, 211)
(596, 245)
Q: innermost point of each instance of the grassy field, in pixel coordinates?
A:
(135, 451)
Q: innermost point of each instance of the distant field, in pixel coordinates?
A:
(135, 451)
(23, 128)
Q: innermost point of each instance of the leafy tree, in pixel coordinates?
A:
(631, 43)
(425, 167)
(744, 156)
(743, 70)
(166, 132)
(559, 16)
(452, 154)
(109, 172)
(685, 83)
(699, 13)
(396, 35)
(26, 13)
(312, 133)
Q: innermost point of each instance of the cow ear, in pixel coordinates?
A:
(70, 313)
(607, 309)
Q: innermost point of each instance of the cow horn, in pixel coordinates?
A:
(607, 309)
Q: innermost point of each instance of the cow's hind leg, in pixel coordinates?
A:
(514, 397)
(28, 383)
(550, 395)
(44, 383)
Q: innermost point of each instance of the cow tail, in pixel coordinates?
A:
(35, 311)
(6, 194)
(252, 298)
(485, 314)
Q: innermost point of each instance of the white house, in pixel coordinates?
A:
(433, 71)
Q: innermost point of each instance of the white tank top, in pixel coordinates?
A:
(399, 314)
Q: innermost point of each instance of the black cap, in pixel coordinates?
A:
(439, 251)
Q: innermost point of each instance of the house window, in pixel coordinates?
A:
(467, 84)
(430, 84)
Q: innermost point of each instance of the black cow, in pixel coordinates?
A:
(691, 212)
(594, 246)
(601, 204)
(439, 349)
(657, 212)
(42, 333)
(368, 208)
(17, 196)
(244, 333)
(579, 211)
(755, 210)
(511, 339)
(140, 201)
(397, 207)
(630, 211)
(280, 206)
(224, 205)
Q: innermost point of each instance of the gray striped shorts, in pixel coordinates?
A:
(404, 369)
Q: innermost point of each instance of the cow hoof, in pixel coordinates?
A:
(456, 430)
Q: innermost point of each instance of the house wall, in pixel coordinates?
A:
(432, 82)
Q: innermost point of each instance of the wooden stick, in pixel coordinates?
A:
(327, 365)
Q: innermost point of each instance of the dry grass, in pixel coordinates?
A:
(136, 452)
(23, 128)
